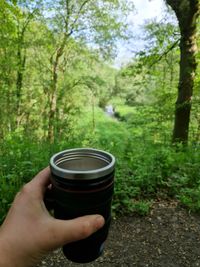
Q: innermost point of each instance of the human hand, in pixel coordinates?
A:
(29, 231)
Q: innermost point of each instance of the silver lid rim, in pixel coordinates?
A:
(83, 175)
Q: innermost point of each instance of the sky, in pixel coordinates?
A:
(144, 10)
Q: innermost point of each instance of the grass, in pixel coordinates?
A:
(147, 166)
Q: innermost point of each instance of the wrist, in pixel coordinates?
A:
(10, 253)
(5, 254)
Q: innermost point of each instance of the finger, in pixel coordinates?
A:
(76, 229)
(42, 179)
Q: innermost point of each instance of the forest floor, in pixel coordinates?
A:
(168, 237)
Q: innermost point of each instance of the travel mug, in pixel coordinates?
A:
(83, 184)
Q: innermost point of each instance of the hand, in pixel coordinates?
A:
(29, 231)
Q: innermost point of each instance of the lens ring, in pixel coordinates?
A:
(80, 160)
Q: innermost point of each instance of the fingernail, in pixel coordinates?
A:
(99, 221)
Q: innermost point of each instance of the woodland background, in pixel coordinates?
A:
(57, 76)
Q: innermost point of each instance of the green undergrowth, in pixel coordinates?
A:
(146, 169)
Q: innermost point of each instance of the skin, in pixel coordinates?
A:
(29, 232)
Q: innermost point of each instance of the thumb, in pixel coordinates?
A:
(67, 231)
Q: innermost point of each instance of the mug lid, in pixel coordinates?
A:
(82, 163)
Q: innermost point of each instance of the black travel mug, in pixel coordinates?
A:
(83, 184)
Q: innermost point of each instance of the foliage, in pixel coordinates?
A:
(82, 83)
(147, 168)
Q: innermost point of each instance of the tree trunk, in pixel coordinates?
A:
(93, 112)
(53, 90)
(19, 82)
(53, 102)
(187, 12)
(185, 88)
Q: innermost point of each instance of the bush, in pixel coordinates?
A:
(146, 169)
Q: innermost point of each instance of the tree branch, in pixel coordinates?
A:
(165, 52)
(27, 21)
(78, 14)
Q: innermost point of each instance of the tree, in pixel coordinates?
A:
(23, 19)
(7, 67)
(46, 56)
(15, 17)
(97, 22)
(187, 12)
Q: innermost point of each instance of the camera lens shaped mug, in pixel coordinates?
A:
(82, 184)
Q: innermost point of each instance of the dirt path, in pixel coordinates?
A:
(168, 237)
